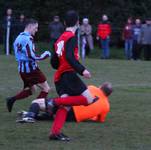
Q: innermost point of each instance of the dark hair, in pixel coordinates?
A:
(107, 88)
(30, 21)
(71, 18)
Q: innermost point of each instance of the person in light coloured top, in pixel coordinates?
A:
(86, 36)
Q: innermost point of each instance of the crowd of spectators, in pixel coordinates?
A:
(136, 35)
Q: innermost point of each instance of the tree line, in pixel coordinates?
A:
(43, 10)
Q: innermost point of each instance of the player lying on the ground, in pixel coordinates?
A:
(96, 111)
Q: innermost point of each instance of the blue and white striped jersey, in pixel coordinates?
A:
(25, 53)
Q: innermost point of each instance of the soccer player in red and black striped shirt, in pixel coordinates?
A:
(69, 86)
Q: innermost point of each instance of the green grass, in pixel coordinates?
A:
(128, 125)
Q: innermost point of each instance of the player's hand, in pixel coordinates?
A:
(47, 53)
(86, 74)
(97, 37)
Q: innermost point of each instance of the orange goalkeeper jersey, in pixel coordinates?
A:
(96, 111)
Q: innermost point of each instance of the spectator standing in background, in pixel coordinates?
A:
(103, 34)
(56, 28)
(20, 24)
(128, 38)
(86, 35)
(8, 31)
(136, 51)
(146, 39)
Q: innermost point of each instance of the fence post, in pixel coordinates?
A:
(8, 37)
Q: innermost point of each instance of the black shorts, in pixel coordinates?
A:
(71, 84)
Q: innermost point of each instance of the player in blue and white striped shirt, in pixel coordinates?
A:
(27, 66)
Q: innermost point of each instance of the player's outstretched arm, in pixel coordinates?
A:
(31, 53)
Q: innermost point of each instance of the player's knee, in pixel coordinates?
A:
(40, 102)
(33, 89)
(90, 100)
(35, 102)
(28, 91)
(46, 89)
(88, 96)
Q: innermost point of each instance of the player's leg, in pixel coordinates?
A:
(61, 114)
(60, 118)
(44, 89)
(21, 95)
(55, 133)
(28, 89)
(74, 86)
(88, 96)
(70, 83)
(84, 99)
(36, 106)
(41, 81)
(71, 116)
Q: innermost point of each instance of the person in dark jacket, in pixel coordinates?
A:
(146, 39)
(56, 28)
(136, 51)
(20, 24)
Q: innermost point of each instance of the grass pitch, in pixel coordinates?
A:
(128, 125)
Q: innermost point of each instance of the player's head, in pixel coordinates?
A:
(31, 26)
(137, 21)
(85, 21)
(9, 11)
(104, 17)
(71, 18)
(22, 17)
(106, 87)
(56, 18)
(148, 21)
(129, 20)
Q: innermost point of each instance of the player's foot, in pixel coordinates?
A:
(9, 103)
(25, 120)
(59, 137)
(22, 113)
(67, 138)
